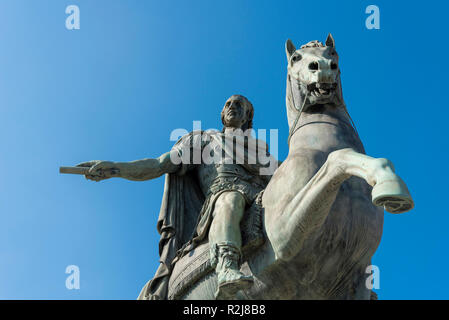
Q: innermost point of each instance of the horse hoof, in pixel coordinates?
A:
(393, 195)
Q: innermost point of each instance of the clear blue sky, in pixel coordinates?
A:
(136, 70)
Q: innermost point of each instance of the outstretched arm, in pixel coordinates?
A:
(138, 170)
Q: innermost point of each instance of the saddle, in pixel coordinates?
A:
(195, 265)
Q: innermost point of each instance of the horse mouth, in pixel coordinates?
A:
(321, 90)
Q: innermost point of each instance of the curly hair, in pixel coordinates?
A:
(249, 112)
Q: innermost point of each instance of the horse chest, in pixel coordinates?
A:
(349, 236)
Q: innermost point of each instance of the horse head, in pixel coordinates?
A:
(313, 76)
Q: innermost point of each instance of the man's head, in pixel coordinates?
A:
(237, 113)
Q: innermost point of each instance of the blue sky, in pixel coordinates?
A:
(136, 70)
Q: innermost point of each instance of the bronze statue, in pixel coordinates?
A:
(227, 187)
(309, 232)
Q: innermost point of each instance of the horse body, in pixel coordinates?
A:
(332, 260)
(323, 212)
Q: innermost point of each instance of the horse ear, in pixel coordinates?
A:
(330, 42)
(289, 48)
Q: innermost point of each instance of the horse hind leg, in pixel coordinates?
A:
(389, 190)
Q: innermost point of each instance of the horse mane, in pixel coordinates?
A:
(312, 44)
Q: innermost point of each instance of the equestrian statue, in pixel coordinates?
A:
(235, 223)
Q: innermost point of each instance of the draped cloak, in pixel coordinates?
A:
(180, 221)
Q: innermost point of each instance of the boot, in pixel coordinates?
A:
(225, 257)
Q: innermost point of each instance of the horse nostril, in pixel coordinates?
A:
(313, 66)
(333, 66)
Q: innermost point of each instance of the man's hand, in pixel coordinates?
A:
(100, 170)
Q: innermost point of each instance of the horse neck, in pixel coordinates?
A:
(323, 128)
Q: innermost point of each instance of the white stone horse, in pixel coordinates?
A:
(323, 208)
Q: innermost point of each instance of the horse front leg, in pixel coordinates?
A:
(389, 191)
(299, 206)
(308, 209)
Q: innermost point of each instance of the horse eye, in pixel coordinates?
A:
(296, 58)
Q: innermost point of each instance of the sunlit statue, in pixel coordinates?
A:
(240, 231)
(224, 185)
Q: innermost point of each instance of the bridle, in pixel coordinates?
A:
(293, 128)
(300, 110)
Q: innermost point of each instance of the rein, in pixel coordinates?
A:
(293, 129)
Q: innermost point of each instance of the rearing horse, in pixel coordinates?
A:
(323, 208)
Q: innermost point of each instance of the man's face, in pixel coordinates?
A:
(234, 113)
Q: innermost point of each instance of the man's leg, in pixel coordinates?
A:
(228, 212)
(226, 242)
